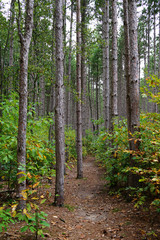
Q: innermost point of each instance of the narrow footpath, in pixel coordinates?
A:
(91, 214)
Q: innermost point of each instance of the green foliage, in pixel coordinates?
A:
(5, 218)
(70, 142)
(34, 219)
(40, 155)
(152, 89)
(113, 152)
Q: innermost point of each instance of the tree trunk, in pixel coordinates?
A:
(134, 80)
(127, 63)
(114, 62)
(106, 64)
(68, 112)
(79, 102)
(134, 111)
(148, 68)
(12, 14)
(59, 108)
(83, 67)
(23, 94)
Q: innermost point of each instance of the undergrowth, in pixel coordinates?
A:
(112, 150)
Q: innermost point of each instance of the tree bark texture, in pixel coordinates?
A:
(127, 62)
(12, 14)
(83, 67)
(106, 64)
(134, 75)
(114, 62)
(59, 107)
(25, 40)
(68, 111)
(79, 102)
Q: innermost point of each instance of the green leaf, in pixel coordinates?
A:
(24, 229)
(44, 223)
(32, 229)
(43, 201)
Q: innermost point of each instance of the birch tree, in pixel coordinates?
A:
(59, 107)
(25, 39)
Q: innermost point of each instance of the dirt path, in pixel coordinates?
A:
(90, 213)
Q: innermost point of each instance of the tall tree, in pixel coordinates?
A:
(12, 16)
(69, 69)
(127, 62)
(134, 75)
(106, 64)
(25, 39)
(79, 102)
(114, 62)
(59, 107)
(84, 4)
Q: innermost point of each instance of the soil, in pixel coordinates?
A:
(90, 213)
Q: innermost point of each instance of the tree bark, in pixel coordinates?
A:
(83, 67)
(114, 62)
(106, 64)
(127, 63)
(59, 107)
(134, 75)
(79, 101)
(12, 14)
(25, 40)
(68, 120)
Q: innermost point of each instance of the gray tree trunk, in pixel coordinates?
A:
(106, 64)
(134, 75)
(148, 67)
(68, 111)
(83, 67)
(127, 62)
(12, 15)
(59, 108)
(41, 96)
(79, 102)
(114, 62)
(25, 40)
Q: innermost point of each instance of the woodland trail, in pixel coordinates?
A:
(90, 213)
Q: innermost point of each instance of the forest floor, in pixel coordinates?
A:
(90, 213)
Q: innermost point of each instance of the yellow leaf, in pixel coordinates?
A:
(29, 175)
(27, 155)
(44, 156)
(24, 211)
(29, 216)
(35, 198)
(21, 173)
(104, 138)
(41, 196)
(35, 185)
(14, 214)
(24, 194)
(14, 207)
